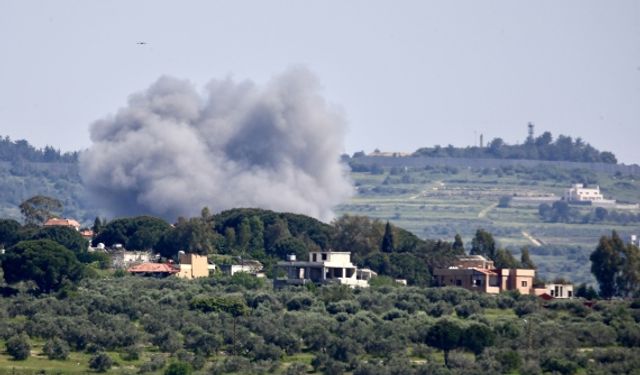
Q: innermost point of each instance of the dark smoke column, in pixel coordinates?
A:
(171, 151)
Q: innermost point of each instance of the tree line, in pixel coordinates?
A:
(21, 150)
(543, 147)
(562, 212)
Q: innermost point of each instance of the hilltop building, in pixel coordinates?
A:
(324, 267)
(477, 273)
(580, 193)
(57, 222)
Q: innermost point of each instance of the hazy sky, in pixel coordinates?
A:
(406, 74)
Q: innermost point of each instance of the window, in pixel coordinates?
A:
(524, 284)
(458, 282)
(324, 256)
(315, 257)
(477, 282)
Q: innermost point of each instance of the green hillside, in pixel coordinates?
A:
(438, 202)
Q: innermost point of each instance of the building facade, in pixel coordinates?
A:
(579, 193)
(192, 266)
(560, 291)
(324, 267)
(477, 273)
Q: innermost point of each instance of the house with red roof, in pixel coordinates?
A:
(477, 273)
(153, 269)
(58, 222)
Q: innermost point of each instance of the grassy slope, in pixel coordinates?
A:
(433, 204)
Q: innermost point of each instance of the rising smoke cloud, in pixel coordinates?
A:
(172, 151)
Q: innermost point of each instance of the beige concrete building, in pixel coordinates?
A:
(477, 273)
(324, 267)
(192, 266)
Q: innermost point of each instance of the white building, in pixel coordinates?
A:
(124, 259)
(579, 193)
(252, 267)
(325, 267)
(561, 291)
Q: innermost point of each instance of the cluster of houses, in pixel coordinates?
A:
(474, 272)
(477, 273)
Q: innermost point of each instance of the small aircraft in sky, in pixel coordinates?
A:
(141, 43)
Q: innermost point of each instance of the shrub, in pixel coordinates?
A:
(468, 308)
(522, 308)
(509, 359)
(178, 368)
(101, 362)
(296, 368)
(18, 347)
(155, 363)
(131, 353)
(559, 365)
(56, 348)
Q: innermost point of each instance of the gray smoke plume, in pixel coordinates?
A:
(172, 151)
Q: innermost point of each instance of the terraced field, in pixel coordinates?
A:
(437, 203)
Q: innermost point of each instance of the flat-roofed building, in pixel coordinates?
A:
(557, 290)
(475, 272)
(580, 193)
(324, 267)
(192, 266)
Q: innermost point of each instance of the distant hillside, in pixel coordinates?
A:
(564, 148)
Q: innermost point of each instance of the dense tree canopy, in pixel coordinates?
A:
(9, 232)
(44, 262)
(65, 236)
(135, 233)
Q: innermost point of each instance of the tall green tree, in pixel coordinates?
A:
(525, 259)
(478, 336)
(98, 224)
(388, 243)
(9, 232)
(244, 235)
(445, 335)
(504, 259)
(256, 241)
(458, 245)
(483, 244)
(629, 279)
(606, 264)
(38, 209)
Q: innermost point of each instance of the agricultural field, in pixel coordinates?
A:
(440, 202)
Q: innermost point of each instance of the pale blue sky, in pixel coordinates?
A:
(405, 73)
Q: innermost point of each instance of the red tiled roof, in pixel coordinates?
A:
(61, 222)
(87, 233)
(153, 268)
